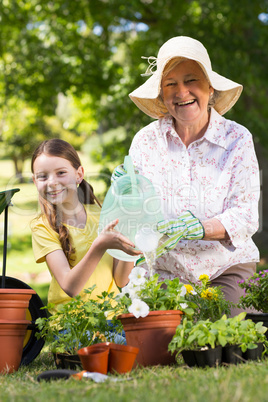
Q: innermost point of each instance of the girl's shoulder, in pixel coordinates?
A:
(38, 221)
(41, 229)
(41, 226)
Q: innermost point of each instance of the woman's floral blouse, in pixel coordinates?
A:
(216, 176)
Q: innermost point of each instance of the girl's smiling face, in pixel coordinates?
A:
(185, 92)
(56, 179)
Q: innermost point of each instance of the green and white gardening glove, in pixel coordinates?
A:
(120, 171)
(187, 226)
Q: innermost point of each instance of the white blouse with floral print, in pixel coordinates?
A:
(216, 176)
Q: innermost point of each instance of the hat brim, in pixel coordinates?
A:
(147, 98)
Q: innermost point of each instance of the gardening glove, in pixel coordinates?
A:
(120, 171)
(186, 227)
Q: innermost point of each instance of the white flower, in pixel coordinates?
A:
(184, 305)
(139, 308)
(131, 290)
(137, 276)
(183, 291)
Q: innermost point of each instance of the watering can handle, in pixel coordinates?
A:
(128, 165)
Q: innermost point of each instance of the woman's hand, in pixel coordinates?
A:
(186, 226)
(109, 238)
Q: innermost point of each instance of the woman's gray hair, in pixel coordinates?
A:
(213, 98)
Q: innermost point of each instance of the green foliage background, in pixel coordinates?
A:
(91, 52)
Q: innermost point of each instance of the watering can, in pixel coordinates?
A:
(133, 200)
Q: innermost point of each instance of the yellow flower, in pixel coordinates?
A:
(209, 294)
(99, 335)
(189, 288)
(204, 278)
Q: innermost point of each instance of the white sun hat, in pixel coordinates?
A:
(147, 98)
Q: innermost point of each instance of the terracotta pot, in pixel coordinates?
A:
(255, 317)
(94, 359)
(14, 303)
(100, 345)
(121, 358)
(232, 354)
(210, 357)
(151, 335)
(12, 335)
(67, 361)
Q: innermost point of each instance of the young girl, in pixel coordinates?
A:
(65, 234)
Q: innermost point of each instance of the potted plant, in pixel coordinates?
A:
(199, 342)
(150, 310)
(242, 336)
(256, 297)
(210, 301)
(79, 324)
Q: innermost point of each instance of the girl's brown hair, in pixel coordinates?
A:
(62, 149)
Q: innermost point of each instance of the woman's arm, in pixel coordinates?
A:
(214, 230)
(73, 280)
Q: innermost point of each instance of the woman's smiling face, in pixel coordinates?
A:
(185, 92)
(56, 179)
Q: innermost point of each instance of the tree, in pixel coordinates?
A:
(90, 47)
(23, 129)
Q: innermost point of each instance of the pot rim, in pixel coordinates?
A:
(17, 291)
(124, 348)
(87, 350)
(259, 314)
(152, 313)
(14, 322)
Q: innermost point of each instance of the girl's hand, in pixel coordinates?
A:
(111, 239)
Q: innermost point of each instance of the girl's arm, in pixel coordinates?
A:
(121, 271)
(72, 281)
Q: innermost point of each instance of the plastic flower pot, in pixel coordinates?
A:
(189, 357)
(12, 335)
(232, 354)
(14, 303)
(253, 354)
(152, 335)
(121, 358)
(94, 359)
(209, 357)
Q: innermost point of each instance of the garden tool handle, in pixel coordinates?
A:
(56, 374)
(79, 375)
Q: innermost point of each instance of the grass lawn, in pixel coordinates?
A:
(242, 383)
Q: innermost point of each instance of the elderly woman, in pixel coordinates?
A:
(203, 166)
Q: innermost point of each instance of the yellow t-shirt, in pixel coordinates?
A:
(45, 240)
